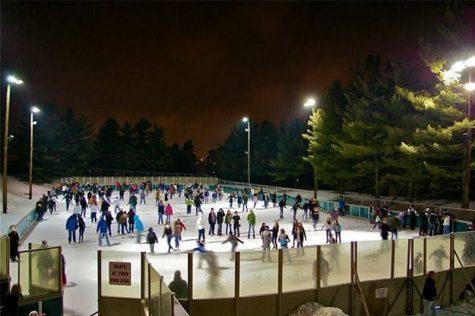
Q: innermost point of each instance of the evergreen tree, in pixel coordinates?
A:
(107, 149)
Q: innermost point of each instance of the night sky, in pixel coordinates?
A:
(197, 68)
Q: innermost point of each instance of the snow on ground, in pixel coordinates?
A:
(315, 309)
(18, 203)
(257, 277)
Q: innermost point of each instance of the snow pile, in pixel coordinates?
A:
(463, 307)
(315, 309)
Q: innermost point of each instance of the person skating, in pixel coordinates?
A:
(83, 204)
(236, 224)
(82, 228)
(168, 232)
(337, 229)
(328, 229)
(284, 243)
(200, 228)
(384, 228)
(132, 201)
(220, 219)
(39, 210)
(131, 221)
(178, 228)
(117, 218)
(94, 209)
(251, 220)
(14, 243)
(169, 212)
(227, 220)
(233, 240)
(266, 242)
(152, 239)
(71, 226)
(212, 222)
(116, 204)
(394, 227)
(245, 199)
(197, 202)
(275, 234)
(161, 211)
(142, 197)
(315, 215)
(123, 223)
(102, 230)
(231, 200)
(139, 228)
(281, 208)
(301, 236)
(189, 203)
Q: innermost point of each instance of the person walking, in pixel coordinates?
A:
(167, 231)
(429, 294)
(251, 220)
(152, 239)
(236, 224)
(102, 230)
(212, 221)
(71, 226)
(227, 220)
(200, 228)
(220, 219)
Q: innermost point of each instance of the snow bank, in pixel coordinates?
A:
(315, 309)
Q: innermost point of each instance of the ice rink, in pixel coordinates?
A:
(80, 293)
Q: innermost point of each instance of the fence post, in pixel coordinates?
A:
(393, 245)
(99, 279)
(452, 267)
(279, 283)
(142, 275)
(351, 306)
(149, 294)
(319, 271)
(172, 305)
(424, 270)
(161, 296)
(237, 281)
(190, 281)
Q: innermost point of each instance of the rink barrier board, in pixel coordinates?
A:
(332, 287)
(4, 267)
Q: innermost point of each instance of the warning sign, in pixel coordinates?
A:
(120, 273)
(381, 292)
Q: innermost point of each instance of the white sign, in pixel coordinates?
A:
(381, 292)
(120, 273)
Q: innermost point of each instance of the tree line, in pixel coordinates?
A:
(65, 144)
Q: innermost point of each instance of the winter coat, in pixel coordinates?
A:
(168, 210)
(101, 226)
(212, 218)
(228, 218)
(178, 228)
(251, 218)
(266, 238)
(152, 237)
(200, 223)
(138, 223)
(72, 222)
(220, 216)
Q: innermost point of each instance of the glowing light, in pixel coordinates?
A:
(469, 86)
(35, 109)
(310, 103)
(245, 119)
(458, 66)
(470, 62)
(14, 80)
(35, 122)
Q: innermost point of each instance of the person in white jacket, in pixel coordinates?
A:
(200, 227)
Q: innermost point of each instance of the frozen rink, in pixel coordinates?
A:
(80, 294)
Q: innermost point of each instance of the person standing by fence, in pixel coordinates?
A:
(429, 294)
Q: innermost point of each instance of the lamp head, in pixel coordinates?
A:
(310, 103)
(14, 80)
(245, 119)
(35, 109)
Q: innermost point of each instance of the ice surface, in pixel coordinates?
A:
(80, 294)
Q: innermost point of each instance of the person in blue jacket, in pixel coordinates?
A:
(138, 227)
(71, 227)
(102, 230)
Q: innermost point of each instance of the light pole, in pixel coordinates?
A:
(312, 103)
(33, 110)
(11, 80)
(459, 67)
(248, 130)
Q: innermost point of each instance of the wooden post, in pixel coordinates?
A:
(319, 271)
(452, 268)
(190, 281)
(279, 282)
(161, 296)
(351, 305)
(172, 307)
(410, 278)
(393, 245)
(425, 257)
(237, 281)
(99, 279)
(142, 275)
(149, 294)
